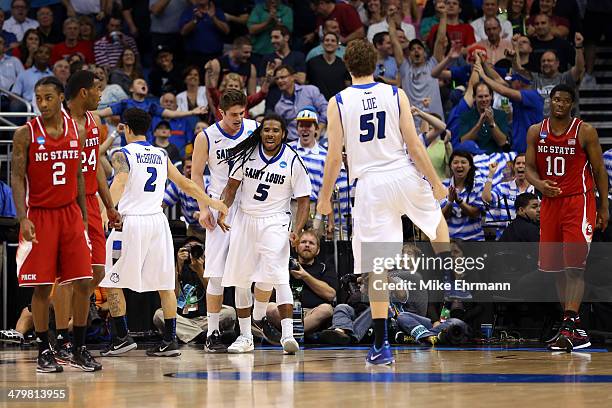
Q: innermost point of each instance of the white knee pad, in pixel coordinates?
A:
(214, 287)
(244, 299)
(265, 287)
(283, 294)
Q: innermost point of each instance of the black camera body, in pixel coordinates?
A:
(196, 251)
(293, 264)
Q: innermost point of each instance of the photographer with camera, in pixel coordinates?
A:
(190, 289)
(312, 283)
(352, 320)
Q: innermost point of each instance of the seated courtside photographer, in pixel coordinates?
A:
(313, 284)
(190, 289)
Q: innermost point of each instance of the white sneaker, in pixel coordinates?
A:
(11, 336)
(242, 344)
(290, 345)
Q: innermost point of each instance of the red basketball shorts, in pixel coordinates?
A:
(62, 250)
(566, 231)
(95, 230)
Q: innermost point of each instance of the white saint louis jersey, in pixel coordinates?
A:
(269, 183)
(219, 142)
(144, 191)
(370, 117)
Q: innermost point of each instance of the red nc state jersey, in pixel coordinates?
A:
(51, 173)
(89, 155)
(561, 158)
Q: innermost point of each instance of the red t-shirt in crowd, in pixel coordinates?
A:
(346, 16)
(464, 32)
(85, 48)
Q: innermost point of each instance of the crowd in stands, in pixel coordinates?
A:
(477, 74)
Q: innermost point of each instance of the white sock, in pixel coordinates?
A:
(213, 322)
(259, 310)
(245, 326)
(287, 327)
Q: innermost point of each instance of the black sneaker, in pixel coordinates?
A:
(214, 344)
(46, 363)
(335, 337)
(271, 333)
(63, 354)
(164, 349)
(119, 346)
(82, 358)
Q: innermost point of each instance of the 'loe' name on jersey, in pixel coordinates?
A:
(57, 155)
(556, 149)
(148, 158)
(265, 176)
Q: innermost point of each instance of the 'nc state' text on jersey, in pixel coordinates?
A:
(57, 155)
(369, 104)
(265, 176)
(556, 149)
(91, 142)
(148, 158)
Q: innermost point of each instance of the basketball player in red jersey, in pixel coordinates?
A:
(49, 194)
(83, 94)
(563, 157)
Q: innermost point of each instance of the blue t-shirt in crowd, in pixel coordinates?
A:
(205, 38)
(387, 69)
(453, 123)
(151, 107)
(526, 112)
(181, 131)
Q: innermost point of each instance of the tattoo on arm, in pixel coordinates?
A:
(120, 163)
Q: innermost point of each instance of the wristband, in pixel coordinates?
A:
(579, 48)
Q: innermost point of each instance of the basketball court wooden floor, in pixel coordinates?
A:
(327, 377)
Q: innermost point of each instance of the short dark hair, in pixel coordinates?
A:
(186, 159)
(517, 156)
(523, 200)
(564, 88)
(77, 81)
(284, 30)
(289, 69)
(138, 120)
(379, 38)
(479, 84)
(232, 97)
(240, 41)
(360, 58)
(50, 80)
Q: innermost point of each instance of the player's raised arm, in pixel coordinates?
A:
(199, 158)
(21, 142)
(193, 190)
(417, 150)
(333, 161)
(546, 187)
(122, 171)
(589, 137)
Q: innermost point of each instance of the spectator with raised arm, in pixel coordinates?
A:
(450, 23)
(487, 126)
(560, 26)
(394, 16)
(109, 48)
(203, 28)
(544, 40)
(438, 149)
(527, 104)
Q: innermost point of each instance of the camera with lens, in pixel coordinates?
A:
(196, 251)
(293, 264)
(349, 284)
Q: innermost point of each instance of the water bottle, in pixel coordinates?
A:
(298, 316)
